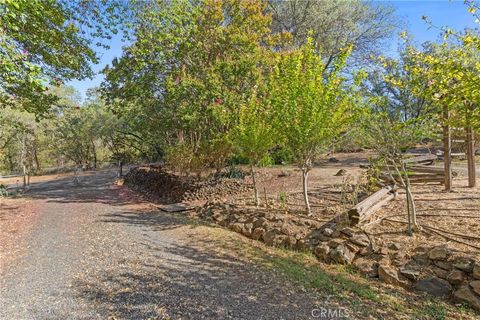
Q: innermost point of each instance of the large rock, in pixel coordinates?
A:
(333, 243)
(475, 286)
(464, 294)
(259, 223)
(421, 258)
(322, 251)
(342, 254)
(291, 242)
(455, 277)
(434, 286)
(409, 273)
(360, 239)
(348, 231)
(389, 274)
(463, 264)
(439, 253)
(440, 272)
(443, 265)
(327, 232)
(367, 266)
(247, 229)
(257, 234)
(237, 227)
(274, 238)
(476, 270)
(395, 246)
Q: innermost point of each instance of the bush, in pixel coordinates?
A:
(281, 155)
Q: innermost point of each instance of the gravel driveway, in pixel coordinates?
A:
(96, 252)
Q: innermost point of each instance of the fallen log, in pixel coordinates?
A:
(416, 179)
(367, 215)
(362, 209)
(427, 158)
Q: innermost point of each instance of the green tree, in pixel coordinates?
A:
(48, 42)
(192, 64)
(311, 109)
(254, 134)
(335, 25)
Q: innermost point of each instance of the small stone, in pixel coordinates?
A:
(341, 254)
(455, 277)
(464, 294)
(476, 270)
(321, 251)
(333, 160)
(438, 253)
(285, 173)
(360, 239)
(434, 286)
(257, 233)
(389, 274)
(328, 232)
(341, 173)
(409, 273)
(475, 286)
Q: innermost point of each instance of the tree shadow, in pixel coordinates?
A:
(191, 281)
(96, 187)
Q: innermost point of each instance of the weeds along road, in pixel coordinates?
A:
(93, 251)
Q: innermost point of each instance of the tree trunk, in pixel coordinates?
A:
(24, 175)
(305, 190)
(447, 146)
(470, 149)
(257, 200)
(94, 151)
(412, 212)
(120, 169)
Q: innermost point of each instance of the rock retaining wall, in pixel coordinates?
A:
(437, 271)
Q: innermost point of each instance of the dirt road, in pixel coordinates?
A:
(93, 251)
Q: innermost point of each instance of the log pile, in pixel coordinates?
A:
(364, 210)
(419, 171)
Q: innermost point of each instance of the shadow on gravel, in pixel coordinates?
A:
(94, 187)
(192, 281)
(155, 220)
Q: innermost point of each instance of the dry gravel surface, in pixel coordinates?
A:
(95, 251)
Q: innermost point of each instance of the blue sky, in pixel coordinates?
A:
(453, 14)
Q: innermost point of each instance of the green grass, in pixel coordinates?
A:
(435, 310)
